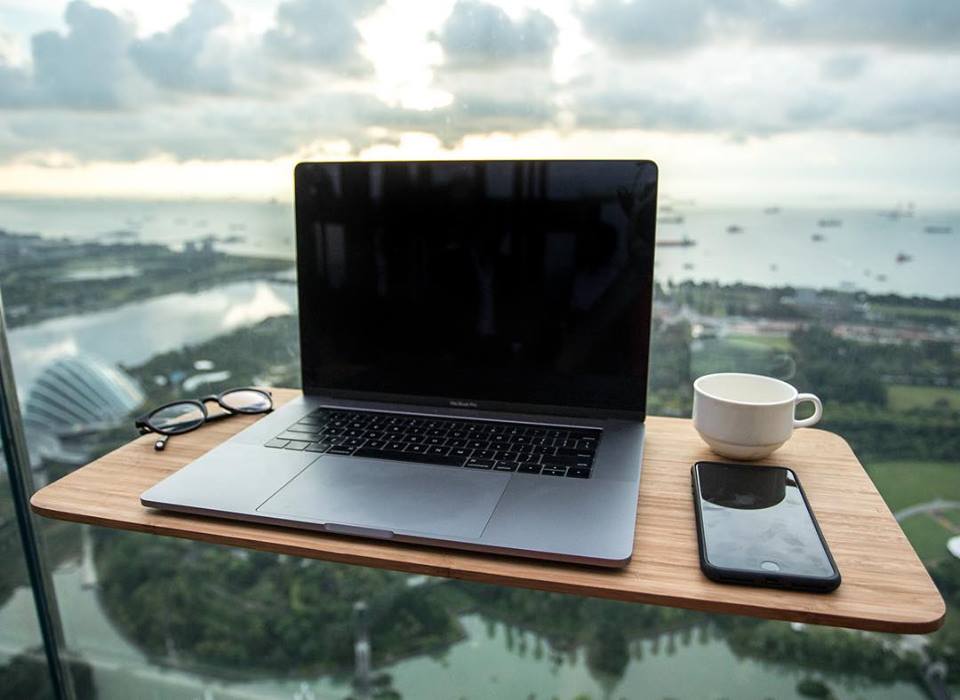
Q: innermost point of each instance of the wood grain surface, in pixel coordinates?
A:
(885, 586)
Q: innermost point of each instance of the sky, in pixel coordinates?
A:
(739, 101)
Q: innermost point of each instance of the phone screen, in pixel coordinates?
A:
(756, 519)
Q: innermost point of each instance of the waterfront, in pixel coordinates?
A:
(768, 249)
(134, 332)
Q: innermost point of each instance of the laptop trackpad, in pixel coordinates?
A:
(393, 496)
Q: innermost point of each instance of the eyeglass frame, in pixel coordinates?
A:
(143, 426)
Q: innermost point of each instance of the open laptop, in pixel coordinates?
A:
(474, 341)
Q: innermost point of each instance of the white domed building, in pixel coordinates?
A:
(73, 400)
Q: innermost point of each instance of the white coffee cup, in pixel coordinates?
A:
(748, 416)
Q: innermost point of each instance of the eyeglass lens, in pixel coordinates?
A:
(246, 401)
(177, 418)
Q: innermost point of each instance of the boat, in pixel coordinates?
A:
(935, 228)
(733, 228)
(899, 212)
(684, 242)
(829, 223)
(674, 219)
(817, 238)
(903, 257)
(772, 210)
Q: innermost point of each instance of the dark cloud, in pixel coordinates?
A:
(640, 110)
(918, 24)
(175, 60)
(238, 128)
(320, 33)
(471, 112)
(844, 66)
(16, 87)
(811, 109)
(480, 35)
(85, 68)
(653, 26)
(648, 26)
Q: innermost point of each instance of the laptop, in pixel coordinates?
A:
(474, 341)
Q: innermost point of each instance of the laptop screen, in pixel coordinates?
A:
(487, 284)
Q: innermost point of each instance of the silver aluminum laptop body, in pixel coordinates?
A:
(602, 323)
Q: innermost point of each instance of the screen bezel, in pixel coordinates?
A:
(760, 577)
(605, 408)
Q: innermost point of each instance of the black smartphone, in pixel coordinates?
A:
(755, 527)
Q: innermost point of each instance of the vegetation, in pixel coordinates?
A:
(199, 605)
(229, 611)
(25, 677)
(906, 483)
(43, 279)
(905, 398)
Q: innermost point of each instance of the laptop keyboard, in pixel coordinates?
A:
(526, 448)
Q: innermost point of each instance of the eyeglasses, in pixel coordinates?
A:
(183, 416)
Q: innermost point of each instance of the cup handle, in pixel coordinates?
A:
(817, 410)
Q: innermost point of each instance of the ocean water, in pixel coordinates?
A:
(860, 250)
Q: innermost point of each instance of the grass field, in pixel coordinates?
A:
(907, 483)
(927, 536)
(902, 397)
(723, 355)
(774, 342)
(912, 312)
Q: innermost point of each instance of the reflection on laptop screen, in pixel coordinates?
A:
(524, 282)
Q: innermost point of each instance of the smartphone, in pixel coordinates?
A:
(755, 527)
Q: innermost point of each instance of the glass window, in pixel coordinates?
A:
(808, 229)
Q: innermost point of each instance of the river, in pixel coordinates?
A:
(135, 332)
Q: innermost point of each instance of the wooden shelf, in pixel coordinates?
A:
(885, 586)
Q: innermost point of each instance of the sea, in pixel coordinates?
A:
(878, 250)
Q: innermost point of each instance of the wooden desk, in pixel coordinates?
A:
(885, 586)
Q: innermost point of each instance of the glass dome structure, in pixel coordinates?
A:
(73, 399)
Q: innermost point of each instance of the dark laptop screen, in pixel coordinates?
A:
(487, 283)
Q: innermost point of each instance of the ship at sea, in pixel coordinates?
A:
(829, 223)
(936, 228)
(671, 219)
(684, 242)
(899, 212)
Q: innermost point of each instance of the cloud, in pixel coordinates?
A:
(917, 24)
(797, 109)
(471, 112)
(647, 26)
(642, 110)
(85, 68)
(96, 91)
(481, 35)
(844, 66)
(176, 60)
(16, 87)
(320, 33)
